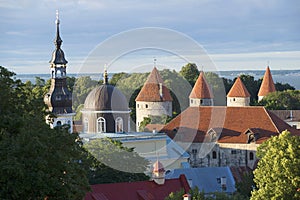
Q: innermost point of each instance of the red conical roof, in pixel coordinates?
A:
(201, 89)
(238, 89)
(267, 85)
(151, 89)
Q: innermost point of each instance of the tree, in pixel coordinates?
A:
(112, 162)
(252, 86)
(283, 86)
(285, 100)
(277, 175)
(36, 162)
(190, 72)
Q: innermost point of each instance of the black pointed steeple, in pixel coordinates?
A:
(58, 56)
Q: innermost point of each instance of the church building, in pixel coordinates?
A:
(59, 98)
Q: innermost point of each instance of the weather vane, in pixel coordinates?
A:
(57, 17)
(154, 61)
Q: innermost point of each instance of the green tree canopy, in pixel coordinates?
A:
(112, 162)
(277, 175)
(190, 72)
(282, 100)
(36, 161)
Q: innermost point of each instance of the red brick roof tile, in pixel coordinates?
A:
(201, 89)
(267, 85)
(141, 190)
(193, 124)
(238, 89)
(151, 90)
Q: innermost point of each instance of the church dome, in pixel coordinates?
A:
(106, 98)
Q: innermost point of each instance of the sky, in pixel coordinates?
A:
(129, 34)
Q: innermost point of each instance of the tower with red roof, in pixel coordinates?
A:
(154, 99)
(201, 94)
(238, 94)
(267, 85)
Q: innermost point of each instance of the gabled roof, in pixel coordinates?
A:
(151, 90)
(238, 89)
(206, 178)
(201, 89)
(141, 190)
(267, 85)
(193, 124)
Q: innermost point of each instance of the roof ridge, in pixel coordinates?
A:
(268, 114)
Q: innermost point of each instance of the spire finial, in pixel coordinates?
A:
(154, 61)
(57, 17)
(105, 75)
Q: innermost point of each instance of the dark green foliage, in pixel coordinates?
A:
(190, 72)
(246, 186)
(112, 162)
(285, 100)
(283, 86)
(36, 161)
(143, 124)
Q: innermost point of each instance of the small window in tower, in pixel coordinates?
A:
(214, 155)
(192, 101)
(233, 99)
(58, 97)
(201, 101)
(137, 105)
(251, 156)
(58, 123)
(101, 125)
(146, 105)
(119, 125)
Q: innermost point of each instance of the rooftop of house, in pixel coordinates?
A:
(238, 89)
(201, 89)
(207, 179)
(154, 89)
(141, 190)
(228, 124)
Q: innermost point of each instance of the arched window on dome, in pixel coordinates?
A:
(119, 125)
(101, 125)
(85, 125)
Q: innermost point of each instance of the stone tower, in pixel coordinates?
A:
(201, 94)
(238, 94)
(59, 98)
(154, 99)
(267, 85)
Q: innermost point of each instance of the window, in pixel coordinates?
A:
(137, 105)
(251, 138)
(233, 99)
(251, 156)
(192, 101)
(201, 101)
(101, 125)
(119, 125)
(85, 125)
(58, 123)
(214, 155)
(194, 151)
(233, 152)
(146, 105)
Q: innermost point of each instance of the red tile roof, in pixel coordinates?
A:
(141, 190)
(201, 89)
(267, 85)
(238, 89)
(230, 123)
(151, 90)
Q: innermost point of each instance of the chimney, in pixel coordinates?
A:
(187, 197)
(223, 183)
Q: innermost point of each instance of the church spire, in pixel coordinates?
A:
(58, 56)
(57, 40)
